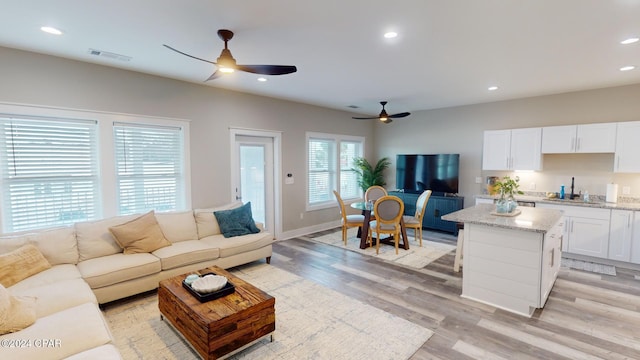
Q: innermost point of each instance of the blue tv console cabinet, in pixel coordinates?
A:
(436, 207)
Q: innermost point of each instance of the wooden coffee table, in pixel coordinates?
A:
(220, 327)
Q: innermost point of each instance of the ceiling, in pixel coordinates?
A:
(447, 53)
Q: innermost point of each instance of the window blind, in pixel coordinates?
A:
(149, 168)
(322, 170)
(49, 172)
(349, 188)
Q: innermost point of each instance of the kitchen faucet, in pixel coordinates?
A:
(572, 195)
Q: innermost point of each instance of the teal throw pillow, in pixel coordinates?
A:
(236, 222)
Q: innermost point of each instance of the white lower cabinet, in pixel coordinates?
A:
(635, 238)
(620, 235)
(586, 230)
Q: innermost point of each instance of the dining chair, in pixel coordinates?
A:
(348, 221)
(374, 193)
(388, 210)
(415, 222)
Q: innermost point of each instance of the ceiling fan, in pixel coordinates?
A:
(227, 64)
(383, 116)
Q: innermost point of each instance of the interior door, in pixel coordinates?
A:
(253, 176)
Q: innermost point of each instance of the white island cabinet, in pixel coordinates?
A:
(510, 262)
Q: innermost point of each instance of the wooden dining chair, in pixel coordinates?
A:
(415, 222)
(388, 210)
(348, 221)
(374, 193)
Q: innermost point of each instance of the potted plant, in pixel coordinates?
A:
(369, 175)
(507, 188)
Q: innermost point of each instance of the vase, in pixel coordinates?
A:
(506, 204)
(502, 205)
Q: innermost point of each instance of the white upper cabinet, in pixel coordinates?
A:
(517, 149)
(628, 147)
(584, 138)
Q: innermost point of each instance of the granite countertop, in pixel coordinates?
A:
(530, 219)
(578, 202)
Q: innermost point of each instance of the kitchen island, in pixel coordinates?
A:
(510, 262)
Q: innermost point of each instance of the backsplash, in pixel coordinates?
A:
(592, 173)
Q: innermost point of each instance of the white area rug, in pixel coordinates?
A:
(588, 266)
(416, 257)
(312, 322)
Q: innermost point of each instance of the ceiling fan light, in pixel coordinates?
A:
(226, 70)
(384, 118)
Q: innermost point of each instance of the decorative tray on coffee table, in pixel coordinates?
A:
(227, 289)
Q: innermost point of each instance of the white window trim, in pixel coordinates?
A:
(106, 153)
(338, 138)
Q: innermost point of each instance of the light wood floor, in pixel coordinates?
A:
(587, 316)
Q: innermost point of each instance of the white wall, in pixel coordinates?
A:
(460, 130)
(29, 78)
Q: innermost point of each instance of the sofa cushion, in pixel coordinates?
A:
(240, 244)
(94, 238)
(140, 235)
(185, 253)
(178, 226)
(58, 296)
(21, 263)
(108, 351)
(16, 313)
(236, 222)
(58, 245)
(206, 221)
(117, 268)
(60, 335)
(50, 276)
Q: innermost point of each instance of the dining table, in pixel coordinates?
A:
(367, 211)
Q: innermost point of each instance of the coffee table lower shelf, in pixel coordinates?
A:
(269, 335)
(218, 328)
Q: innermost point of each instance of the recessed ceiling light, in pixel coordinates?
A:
(261, 79)
(629, 41)
(390, 34)
(492, 88)
(627, 68)
(51, 30)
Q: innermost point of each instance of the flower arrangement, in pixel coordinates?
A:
(507, 188)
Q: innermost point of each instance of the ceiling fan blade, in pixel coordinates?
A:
(185, 54)
(399, 115)
(268, 69)
(364, 118)
(216, 74)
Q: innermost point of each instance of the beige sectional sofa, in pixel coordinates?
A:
(88, 267)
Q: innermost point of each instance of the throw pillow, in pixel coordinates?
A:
(140, 235)
(236, 222)
(21, 263)
(16, 313)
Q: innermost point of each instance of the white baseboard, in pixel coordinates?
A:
(308, 230)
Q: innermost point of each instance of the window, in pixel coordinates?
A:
(329, 163)
(49, 172)
(149, 169)
(60, 166)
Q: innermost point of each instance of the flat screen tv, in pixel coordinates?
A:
(435, 172)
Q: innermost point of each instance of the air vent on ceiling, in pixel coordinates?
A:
(109, 55)
(353, 106)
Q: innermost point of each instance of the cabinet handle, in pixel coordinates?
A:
(552, 257)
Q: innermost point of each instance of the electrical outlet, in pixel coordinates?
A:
(478, 180)
(301, 216)
(626, 190)
(532, 186)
